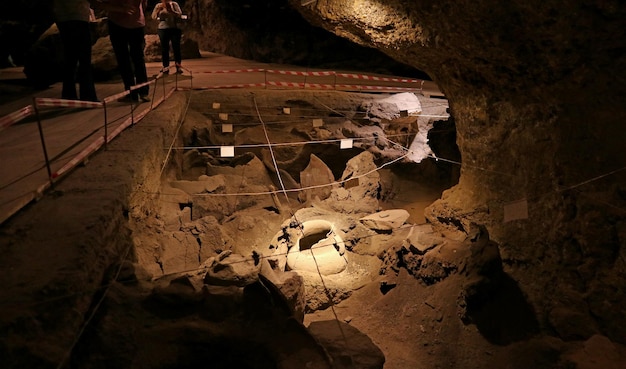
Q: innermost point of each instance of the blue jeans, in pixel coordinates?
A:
(128, 45)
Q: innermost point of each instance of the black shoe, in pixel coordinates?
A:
(165, 70)
(128, 99)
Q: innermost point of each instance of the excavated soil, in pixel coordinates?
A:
(124, 244)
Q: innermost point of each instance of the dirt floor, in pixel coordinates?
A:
(110, 269)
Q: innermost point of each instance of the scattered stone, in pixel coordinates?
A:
(387, 220)
(422, 239)
(230, 269)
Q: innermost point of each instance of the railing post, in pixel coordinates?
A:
(43, 142)
(106, 124)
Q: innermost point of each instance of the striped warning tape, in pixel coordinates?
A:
(301, 85)
(318, 74)
(233, 71)
(56, 103)
(80, 157)
(94, 146)
(15, 117)
(297, 73)
(343, 87)
(108, 99)
(135, 87)
(241, 85)
(374, 78)
(285, 84)
(376, 88)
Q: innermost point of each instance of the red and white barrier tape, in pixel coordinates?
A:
(242, 85)
(80, 157)
(319, 86)
(61, 103)
(15, 117)
(135, 87)
(233, 71)
(297, 73)
(376, 88)
(285, 84)
(108, 99)
(374, 78)
(94, 146)
(301, 85)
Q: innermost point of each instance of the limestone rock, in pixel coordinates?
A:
(213, 183)
(190, 187)
(315, 174)
(349, 347)
(178, 292)
(360, 177)
(421, 239)
(230, 269)
(178, 252)
(387, 220)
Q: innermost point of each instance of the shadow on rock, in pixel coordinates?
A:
(491, 299)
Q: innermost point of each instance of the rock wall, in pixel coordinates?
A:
(535, 90)
(272, 31)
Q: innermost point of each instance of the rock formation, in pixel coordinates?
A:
(536, 91)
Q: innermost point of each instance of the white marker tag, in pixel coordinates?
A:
(227, 151)
(223, 116)
(227, 128)
(287, 111)
(318, 122)
(346, 143)
(216, 105)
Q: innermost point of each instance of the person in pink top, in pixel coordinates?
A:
(127, 23)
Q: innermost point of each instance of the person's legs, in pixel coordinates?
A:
(176, 34)
(68, 33)
(120, 43)
(137, 44)
(85, 71)
(165, 47)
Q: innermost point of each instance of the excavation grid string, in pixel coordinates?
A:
(185, 271)
(301, 229)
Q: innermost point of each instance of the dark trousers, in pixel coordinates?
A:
(166, 36)
(128, 45)
(76, 40)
